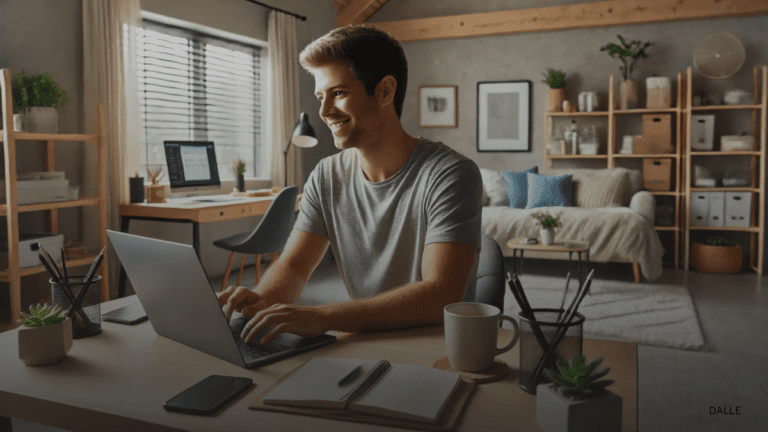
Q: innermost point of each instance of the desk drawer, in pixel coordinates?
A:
(233, 211)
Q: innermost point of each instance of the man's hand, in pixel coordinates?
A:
(240, 299)
(306, 321)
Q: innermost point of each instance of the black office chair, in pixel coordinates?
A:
(269, 236)
(491, 283)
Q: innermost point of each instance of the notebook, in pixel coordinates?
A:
(400, 391)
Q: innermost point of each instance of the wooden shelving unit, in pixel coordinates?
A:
(10, 209)
(612, 156)
(759, 110)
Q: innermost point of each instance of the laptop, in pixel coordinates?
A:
(181, 305)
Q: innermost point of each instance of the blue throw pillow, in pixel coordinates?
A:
(517, 186)
(549, 191)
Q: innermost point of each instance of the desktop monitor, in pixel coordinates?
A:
(192, 166)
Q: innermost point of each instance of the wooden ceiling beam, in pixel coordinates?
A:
(598, 14)
(358, 12)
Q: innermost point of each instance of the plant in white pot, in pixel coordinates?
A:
(547, 231)
(38, 97)
(628, 53)
(577, 400)
(46, 337)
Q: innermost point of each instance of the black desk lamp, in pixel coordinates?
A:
(303, 136)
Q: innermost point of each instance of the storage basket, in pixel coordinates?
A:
(716, 259)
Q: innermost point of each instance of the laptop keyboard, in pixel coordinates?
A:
(259, 351)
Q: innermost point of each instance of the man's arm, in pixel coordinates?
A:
(284, 280)
(445, 269)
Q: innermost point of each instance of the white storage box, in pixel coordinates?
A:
(39, 191)
(702, 132)
(738, 207)
(27, 257)
(716, 209)
(699, 208)
(737, 143)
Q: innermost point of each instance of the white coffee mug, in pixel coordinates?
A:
(472, 334)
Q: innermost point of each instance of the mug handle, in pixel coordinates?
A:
(514, 339)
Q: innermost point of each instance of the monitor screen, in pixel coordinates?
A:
(191, 166)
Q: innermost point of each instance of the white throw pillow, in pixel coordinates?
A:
(495, 187)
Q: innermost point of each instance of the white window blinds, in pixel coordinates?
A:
(198, 87)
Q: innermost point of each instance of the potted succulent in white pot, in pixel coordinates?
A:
(577, 400)
(46, 337)
(38, 97)
(547, 231)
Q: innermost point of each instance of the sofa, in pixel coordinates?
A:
(610, 210)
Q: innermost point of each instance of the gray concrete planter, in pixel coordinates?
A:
(45, 344)
(556, 413)
(41, 119)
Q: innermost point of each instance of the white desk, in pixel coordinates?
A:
(119, 380)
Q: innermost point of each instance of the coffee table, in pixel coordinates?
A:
(569, 246)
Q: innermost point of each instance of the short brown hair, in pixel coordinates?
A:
(370, 53)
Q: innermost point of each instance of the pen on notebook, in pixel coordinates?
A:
(350, 376)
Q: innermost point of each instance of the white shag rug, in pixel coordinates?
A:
(661, 315)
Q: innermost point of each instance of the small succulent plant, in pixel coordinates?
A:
(718, 241)
(41, 315)
(578, 380)
(555, 78)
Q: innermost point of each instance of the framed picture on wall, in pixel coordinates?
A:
(437, 106)
(504, 116)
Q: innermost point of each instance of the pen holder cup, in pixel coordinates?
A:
(86, 319)
(531, 351)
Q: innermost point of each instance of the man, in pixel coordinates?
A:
(401, 214)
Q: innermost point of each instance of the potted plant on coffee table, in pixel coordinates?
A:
(556, 81)
(628, 53)
(717, 255)
(38, 97)
(46, 337)
(547, 231)
(577, 400)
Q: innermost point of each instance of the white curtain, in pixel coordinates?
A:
(284, 94)
(109, 60)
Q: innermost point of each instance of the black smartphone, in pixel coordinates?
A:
(130, 314)
(209, 395)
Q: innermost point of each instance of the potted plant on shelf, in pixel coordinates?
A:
(547, 231)
(556, 81)
(577, 400)
(628, 53)
(46, 337)
(38, 97)
(717, 255)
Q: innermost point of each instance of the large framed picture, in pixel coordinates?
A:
(437, 106)
(504, 116)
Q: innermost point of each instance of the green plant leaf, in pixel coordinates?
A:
(52, 320)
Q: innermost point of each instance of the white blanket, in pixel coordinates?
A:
(615, 234)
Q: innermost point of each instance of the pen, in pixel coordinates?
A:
(50, 261)
(64, 265)
(350, 376)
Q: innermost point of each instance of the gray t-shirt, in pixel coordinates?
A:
(377, 231)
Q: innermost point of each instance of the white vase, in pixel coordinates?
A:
(45, 344)
(547, 236)
(41, 119)
(556, 413)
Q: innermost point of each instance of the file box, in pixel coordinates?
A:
(699, 208)
(716, 209)
(738, 209)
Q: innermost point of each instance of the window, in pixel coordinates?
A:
(199, 87)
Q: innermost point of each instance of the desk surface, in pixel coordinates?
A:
(119, 380)
(182, 209)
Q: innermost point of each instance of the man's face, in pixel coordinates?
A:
(345, 107)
